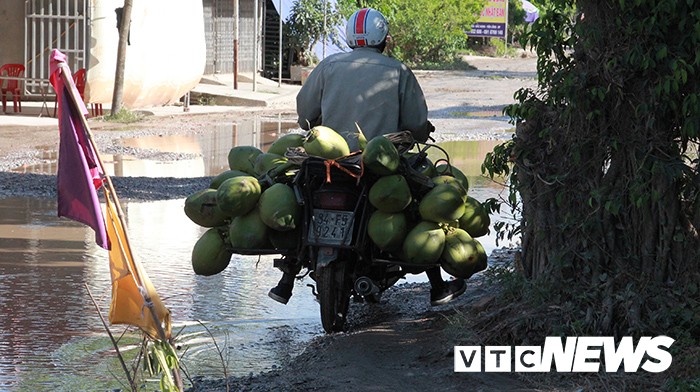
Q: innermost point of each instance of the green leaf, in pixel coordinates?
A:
(662, 52)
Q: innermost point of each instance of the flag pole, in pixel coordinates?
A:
(114, 341)
(110, 191)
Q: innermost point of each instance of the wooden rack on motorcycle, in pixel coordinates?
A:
(355, 227)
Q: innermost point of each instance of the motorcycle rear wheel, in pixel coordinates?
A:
(333, 295)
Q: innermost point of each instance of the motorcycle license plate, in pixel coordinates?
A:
(330, 227)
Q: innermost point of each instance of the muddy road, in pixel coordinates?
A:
(401, 343)
(463, 105)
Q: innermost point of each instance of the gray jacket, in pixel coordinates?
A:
(378, 92)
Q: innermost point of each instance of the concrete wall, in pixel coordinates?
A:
(12, 31)
(246, 42)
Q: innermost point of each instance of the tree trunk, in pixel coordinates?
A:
(124, 26)
(611, 200)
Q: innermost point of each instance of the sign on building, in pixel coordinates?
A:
(493, 21)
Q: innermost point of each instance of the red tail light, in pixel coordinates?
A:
(334, 200)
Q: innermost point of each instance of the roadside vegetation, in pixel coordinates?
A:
(124, 116)
(432, 34)
(604, 176)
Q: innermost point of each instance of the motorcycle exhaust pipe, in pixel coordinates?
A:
(364, 286)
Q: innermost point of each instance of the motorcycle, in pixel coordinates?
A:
(334, 246)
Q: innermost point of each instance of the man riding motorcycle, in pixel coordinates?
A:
(379, 94)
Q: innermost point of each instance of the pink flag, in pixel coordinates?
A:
(79, 175)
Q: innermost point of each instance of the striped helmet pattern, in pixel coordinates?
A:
(366, 27)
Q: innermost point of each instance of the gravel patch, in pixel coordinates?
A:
(131, 188)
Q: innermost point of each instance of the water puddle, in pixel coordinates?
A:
(52, 338)
(50, 335)
(479, 114)
(179, 156)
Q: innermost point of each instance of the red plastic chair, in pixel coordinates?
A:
(12, 85)
(79, 78)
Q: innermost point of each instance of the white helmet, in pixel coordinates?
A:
(366, 27)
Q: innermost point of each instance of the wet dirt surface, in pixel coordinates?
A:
(401, 343)
(463, 105)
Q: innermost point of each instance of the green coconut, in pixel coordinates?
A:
(442, 204)
(279, 208)
(361, 138)
(243, 158)
(446, 179)
(210, 254)
(201, 207)
(248, 232)
(476, 219)
(238, 195)
(424, 243)
(223, 176)
(390, 193)
(324, 142)
(380, 156)
(268, 161)
(450, 170)
(281, 145)
(387, 230)
(285, 240)
(462, 256)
